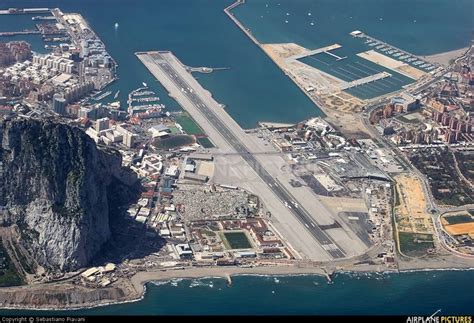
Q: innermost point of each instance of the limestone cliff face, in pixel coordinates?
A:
(56, 186)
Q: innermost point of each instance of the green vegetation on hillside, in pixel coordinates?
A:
(9, 276)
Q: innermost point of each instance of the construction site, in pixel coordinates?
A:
(318, 85)
(413, 223)
(342, 79)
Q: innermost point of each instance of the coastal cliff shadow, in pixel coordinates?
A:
(130, 239)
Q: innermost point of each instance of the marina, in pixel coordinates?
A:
(143, 95)
(344, 70)
(326, 50)
(365, 80)
(359, 77)
(396, 53)
(337, 68)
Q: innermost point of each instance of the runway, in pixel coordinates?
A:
(154, 60)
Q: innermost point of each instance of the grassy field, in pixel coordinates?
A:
(397, 196)
(205, 142)
(174, 142)
(457, 199)
(189, 125)
(9, 276)
(224, 240)
(174, 130)
(414, 244)
(406, 120)
(235, 240)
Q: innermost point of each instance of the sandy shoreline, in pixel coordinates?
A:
(444, 57)
(443, 262)
(140, 280)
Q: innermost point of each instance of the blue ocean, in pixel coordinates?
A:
(421, 293)
(253, 90)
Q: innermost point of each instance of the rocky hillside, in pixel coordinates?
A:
(57, 189)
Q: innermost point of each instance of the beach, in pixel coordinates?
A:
(67, 296)
(141, 278)
(445, 57)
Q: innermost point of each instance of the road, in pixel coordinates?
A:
(431, 206)
(283, 195)
(415, 90)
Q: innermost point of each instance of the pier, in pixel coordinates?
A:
(328, 275)
(103, 96)
(326, 50)
(395, 65)
(237, 22)
(148, 99)
(334, 55)
(18, 11)
(275, 125)
(375, 41)
(43, 18)
(317, 101)
(16, 33)
(206, 70)
(365, 80)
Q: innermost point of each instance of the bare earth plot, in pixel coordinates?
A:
(414, 225)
